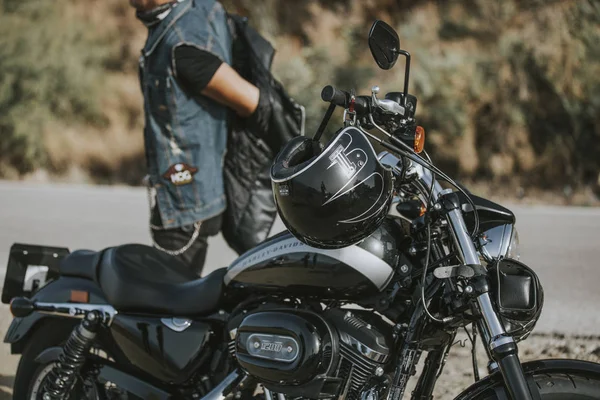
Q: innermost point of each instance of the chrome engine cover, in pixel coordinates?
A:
(286, 347)
(304, 354)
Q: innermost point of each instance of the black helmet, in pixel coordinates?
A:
(333, 198)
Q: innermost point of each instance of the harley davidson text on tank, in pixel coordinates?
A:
(385, 259)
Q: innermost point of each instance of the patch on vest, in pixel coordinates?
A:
(180, 174)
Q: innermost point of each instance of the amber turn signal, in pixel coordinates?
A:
(419, 139)
(21, 307)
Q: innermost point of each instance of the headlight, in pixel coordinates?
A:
(514, 248)
(502, 240)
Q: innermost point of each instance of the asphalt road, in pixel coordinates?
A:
(560, 243)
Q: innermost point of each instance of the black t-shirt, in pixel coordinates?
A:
(195, 67)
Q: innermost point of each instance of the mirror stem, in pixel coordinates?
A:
(406, 72)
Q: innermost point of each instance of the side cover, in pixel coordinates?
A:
(170, 349)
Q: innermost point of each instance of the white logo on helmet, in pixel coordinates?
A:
(351, 163)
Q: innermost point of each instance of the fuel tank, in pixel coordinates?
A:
(284, 264)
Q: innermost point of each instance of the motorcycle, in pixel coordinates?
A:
(287, 320)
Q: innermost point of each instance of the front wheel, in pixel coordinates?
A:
(567, 387)
(556, 386)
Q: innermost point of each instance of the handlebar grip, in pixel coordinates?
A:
(335, 96)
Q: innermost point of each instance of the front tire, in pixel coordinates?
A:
(567, 387)
(557, 386)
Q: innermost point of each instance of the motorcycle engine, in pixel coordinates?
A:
(304, 354)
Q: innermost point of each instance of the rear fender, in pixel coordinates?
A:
(58, 291)
(493, 381)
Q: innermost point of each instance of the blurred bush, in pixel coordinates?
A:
(58, 73)
(508, 91)
(51, 70)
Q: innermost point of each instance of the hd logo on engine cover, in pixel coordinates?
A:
(180, 174)
(272, 347)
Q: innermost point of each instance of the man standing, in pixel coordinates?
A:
(189, 90)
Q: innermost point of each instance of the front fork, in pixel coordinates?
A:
(501, 347)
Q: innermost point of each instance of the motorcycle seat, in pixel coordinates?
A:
(80, 264)
(138, 278)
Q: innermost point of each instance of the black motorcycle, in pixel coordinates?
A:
(289, 320)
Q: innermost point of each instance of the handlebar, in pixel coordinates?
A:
(332, 95)
(342, 99)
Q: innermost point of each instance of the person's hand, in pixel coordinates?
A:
(258, 121)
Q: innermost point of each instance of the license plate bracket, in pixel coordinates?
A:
(29, 268)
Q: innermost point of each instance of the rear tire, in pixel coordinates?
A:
(31, 375)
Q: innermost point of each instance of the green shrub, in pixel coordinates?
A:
(51, 70)
(507, 90)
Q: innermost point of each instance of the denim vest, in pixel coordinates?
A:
(185, 134)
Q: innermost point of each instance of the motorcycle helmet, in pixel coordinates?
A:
(335, 197)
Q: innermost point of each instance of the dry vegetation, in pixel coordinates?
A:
(509, 92)
(458, 372)
(70, 102)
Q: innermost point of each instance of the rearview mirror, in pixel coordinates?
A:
(384, 44)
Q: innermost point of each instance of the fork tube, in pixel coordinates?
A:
(486, 339)
(492, 322)
(504, 351)
(461, 236)
(501, 346)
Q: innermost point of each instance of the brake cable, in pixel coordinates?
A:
(425, 164)
(473, 340)
(425, 276)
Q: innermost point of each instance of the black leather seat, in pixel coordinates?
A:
(80, 264)
(138, 278)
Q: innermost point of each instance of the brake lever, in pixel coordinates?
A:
(386, 105)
